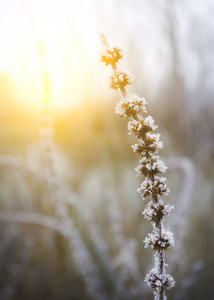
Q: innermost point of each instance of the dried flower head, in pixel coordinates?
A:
(158, 241)
(156, 211)
(154, 187)
(130, 106)
(157, 281)
(141, 126)
(119, 80)
(111, 57)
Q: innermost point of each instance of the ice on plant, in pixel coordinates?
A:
(158, 241)
(150, 164)
(149, 187)
(111, 56)
(149, 146)
(141, 126)
(148, 143)
(156, 211)
(149, 121)
(155, 280)
(119, 80)
(130, 105)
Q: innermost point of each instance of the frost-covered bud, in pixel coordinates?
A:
(141, 126)
(153, 137)
(149, 121)
(153, 140)
(170, 282)
(150, 166)
(130, 106)
(156, 211)
(112, 56)
(156, 281)
(157, 242)
(156, 187)
(119, 80)
(148, 146)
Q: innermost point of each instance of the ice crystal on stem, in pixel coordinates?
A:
(147, 146)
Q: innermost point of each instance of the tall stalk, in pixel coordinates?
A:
(148, 143)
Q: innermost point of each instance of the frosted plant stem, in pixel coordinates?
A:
(150, 165)
(160, 255)
(161, 272)
(126, 259)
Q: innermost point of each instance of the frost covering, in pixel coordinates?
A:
(150, 166)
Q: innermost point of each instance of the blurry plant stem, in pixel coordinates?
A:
(126, 260)
(70, 198)
(60, 193)
(184, 201)
(82, 257)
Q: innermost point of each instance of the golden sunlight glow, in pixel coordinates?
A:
(48, 36)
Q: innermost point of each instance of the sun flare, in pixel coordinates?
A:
(36, 42)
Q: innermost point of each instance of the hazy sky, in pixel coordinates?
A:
(68, 30)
